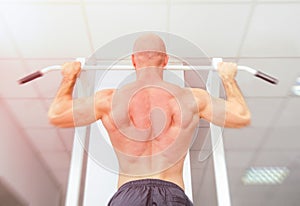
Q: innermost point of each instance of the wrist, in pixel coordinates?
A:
(70, 78)
(228, 79)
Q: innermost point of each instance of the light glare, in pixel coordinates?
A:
(265, 175)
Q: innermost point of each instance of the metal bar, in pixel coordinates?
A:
(254, 72)
(187, 173)
(77, 173)
(83, 177)
(220, 170)
(129, 67)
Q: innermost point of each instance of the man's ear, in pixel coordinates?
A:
(133, 60)
(166, 59)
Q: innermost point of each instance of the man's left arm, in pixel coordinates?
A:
(68, 112)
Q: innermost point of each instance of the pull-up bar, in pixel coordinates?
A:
(43, 71)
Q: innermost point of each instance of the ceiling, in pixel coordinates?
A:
(263, 34)
(9, 197)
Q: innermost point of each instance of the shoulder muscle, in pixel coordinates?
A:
(103, 100)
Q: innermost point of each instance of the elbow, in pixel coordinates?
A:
(248, 120)
(59, 115)
(55, 120)
(245, 121)
(53, 115)
(243, 117)
(52, 118)
(239, 121)
(59, 121)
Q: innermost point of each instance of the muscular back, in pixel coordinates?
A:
(150, 127)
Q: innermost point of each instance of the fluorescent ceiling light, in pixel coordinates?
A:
(296, 87)
(265, 175)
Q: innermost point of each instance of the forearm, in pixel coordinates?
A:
(235, 101)
(63, 100)
(233, 93)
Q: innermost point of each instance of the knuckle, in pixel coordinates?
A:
(65, 64)
(77, 64)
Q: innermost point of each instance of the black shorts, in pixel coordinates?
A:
(150, 192)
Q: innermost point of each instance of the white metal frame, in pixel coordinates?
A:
(220, 170)
(129, 67)
(78, 151)
(222, 187)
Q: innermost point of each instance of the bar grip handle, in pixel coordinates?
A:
(30, 77)
(266, 77)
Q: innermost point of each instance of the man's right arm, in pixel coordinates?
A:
(232, 112)
(68, 112)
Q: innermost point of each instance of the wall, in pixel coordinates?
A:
(21, 168)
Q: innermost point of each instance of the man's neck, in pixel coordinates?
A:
(149, 74)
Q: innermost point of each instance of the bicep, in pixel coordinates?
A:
(216, 110)
(71, 112)
(91, 109)
(103, 102)
(210, 108)
(81, 111)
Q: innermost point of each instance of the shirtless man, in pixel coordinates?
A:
(150, 122)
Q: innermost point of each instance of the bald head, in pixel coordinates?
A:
(149, 50)
(149, 42)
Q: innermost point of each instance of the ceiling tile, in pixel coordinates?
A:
(238, 159)
(46, 140)
(110, 21)
(243, 139)
(37, 64)
(67, 136)
(287, 193)
(290, 115)
(212, 27)
(277, 1)
(283, 197)
(275, 158)
(48, 85)
(293, 179)
(11, 72)
(127, 1)
(39, 1)
(283, 138)
(235, 174)
(57, 160)
(48, 31)
(62, 177)
(250, 195)
(235, 171)
(265, 194)
(29, 112)
(274, 31)
(7, 49)
(209, 1)
(296, 164)
(264, 111)
(285, 70)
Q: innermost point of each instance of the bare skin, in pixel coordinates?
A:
(150, 122)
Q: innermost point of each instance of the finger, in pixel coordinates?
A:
(220, 64)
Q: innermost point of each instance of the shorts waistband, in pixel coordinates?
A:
(150, 182)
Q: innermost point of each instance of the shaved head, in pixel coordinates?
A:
(149, 50)
(149, 42)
